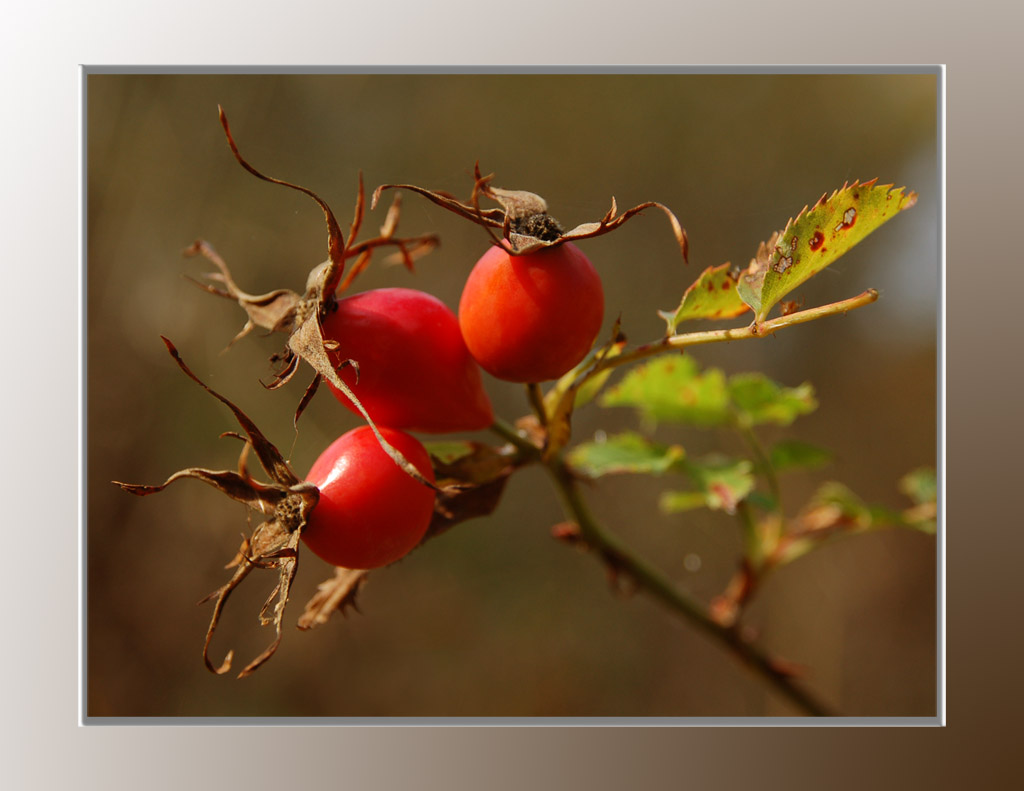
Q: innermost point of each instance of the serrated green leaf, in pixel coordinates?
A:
(673, 389)
(920, 485)
(628, 452)
(758, 400)
(791, 454)
(720, 483)
(816, 238)
(712, 296)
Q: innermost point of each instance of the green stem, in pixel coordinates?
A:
(764, 463)
(536, 399)
(653, 583)
(755, 330)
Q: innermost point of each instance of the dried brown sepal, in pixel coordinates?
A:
(471, 485)
(257, 496)
(274, 311)
(307, 396)
(286, 503)
(334, 595)
(271, 459)
(335, 241)
(274, 546)
(523, 223)
(301, 316)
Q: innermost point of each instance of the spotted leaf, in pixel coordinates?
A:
(711, 296)
(816, 238)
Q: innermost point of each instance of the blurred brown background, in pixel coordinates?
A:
(495, 618)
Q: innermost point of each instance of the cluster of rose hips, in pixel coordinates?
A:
(530, 312)
(522, 318)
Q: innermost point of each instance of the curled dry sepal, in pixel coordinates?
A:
(522, 223)
(301, 316)
(274, 544)
(470, 485)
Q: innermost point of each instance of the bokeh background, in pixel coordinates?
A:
(496, 618)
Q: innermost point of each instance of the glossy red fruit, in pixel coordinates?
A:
(370, 512)
(414, 369)
(530, 318)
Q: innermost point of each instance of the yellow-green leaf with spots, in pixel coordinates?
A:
(712, 296)
(816, 238)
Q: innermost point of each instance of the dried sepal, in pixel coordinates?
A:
(286, 504)
(237, 487)
(272, 547)
(523, 225)
(274, 311)
(335, 241)
(334, 595)
(471, 484)
(301, 316)
(271, 459)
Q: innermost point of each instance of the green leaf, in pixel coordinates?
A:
(835, 510)
(758, 399)
(720, 483)
(920, 485)
(791, 454)
(447, 451)
(712, 296)
(673, 389)
(625, 453)
(833, 504)
(816, 238)
(677, 502)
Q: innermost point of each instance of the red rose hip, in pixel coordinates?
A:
(530, 318)
(370, 511)
(414, 369)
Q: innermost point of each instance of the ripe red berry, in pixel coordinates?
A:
(530, 318)
(370, 512)
(414, 369)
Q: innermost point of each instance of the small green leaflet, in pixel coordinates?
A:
(674, 390)
(920, 485)
(758, 400)
(721, 483)
(816, 238)
(713, 295)
(628, 452)
(793, 454)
